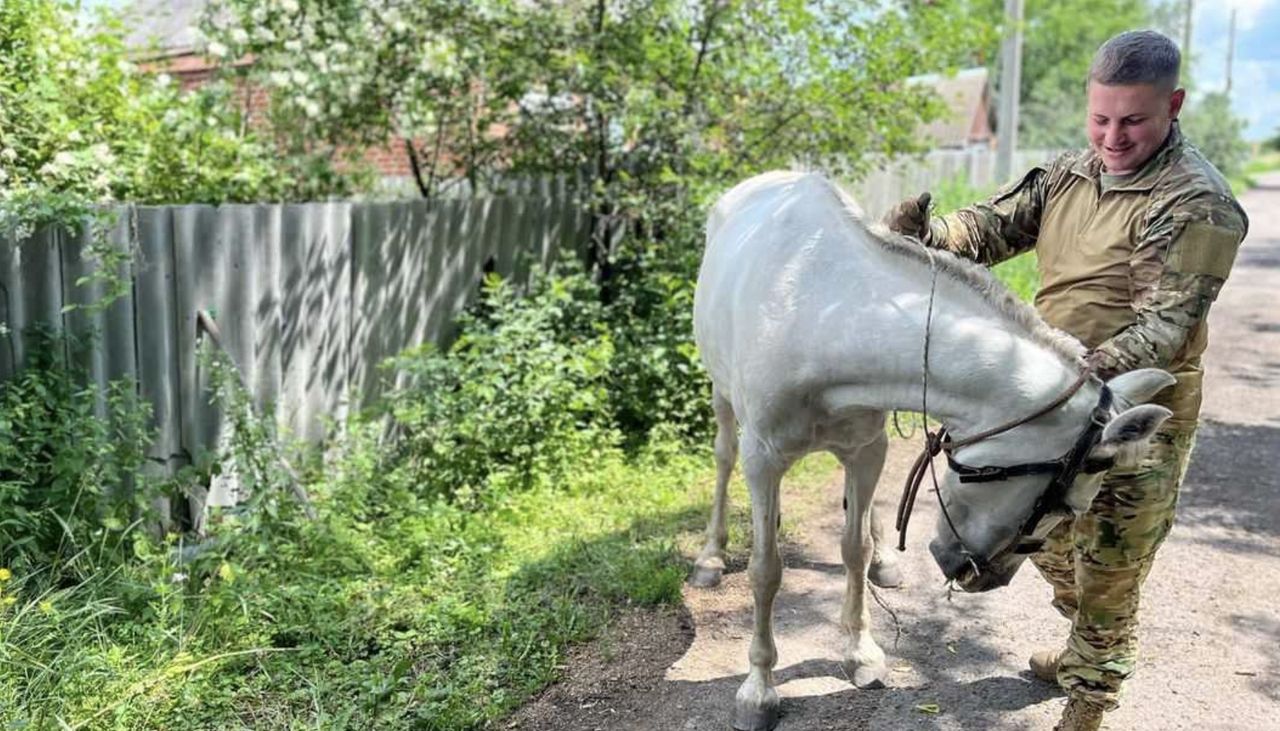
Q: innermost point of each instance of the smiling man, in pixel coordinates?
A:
(1135, 237)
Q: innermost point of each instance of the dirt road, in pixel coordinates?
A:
(1211, 611)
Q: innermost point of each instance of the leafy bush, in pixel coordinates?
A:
(517, 397)
(69, 475)
(656, 378)
(420, 614)
(81, 124)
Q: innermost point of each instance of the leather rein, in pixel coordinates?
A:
(1064, 469)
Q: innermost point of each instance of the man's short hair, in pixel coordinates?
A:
(1137, 57)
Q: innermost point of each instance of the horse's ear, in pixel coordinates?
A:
(1126, 435)
(1125, 439)
(1139, 387)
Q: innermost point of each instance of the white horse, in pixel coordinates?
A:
(812, 325)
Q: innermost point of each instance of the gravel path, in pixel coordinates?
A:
(1211, 611)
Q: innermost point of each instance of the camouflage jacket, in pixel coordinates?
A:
(1130, 270)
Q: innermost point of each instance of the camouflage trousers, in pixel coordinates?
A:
(1097, 563)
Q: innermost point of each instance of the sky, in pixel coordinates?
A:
(1255, 84)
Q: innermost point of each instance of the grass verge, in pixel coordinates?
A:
(404, 615)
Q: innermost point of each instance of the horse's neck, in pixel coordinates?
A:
(984, 369)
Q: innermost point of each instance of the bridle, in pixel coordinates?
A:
(1064, 469)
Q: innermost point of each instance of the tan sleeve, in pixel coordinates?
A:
(1195, 244)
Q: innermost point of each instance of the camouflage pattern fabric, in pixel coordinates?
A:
(1097, 564)
(1130, 270)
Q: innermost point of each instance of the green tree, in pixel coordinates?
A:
(343, 75)
(80, 124)
(637, 102)
(1211, 126)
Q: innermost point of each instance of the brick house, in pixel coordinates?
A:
(163, 34)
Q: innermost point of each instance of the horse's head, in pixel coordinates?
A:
(994, 518)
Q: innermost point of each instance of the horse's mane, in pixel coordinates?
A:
(977, 277)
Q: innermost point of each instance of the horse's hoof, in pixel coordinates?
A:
(750, 718)
(885, 575)
(868, 678)
(705, 577)
(866, 675)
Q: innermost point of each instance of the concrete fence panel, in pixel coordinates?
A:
(155, 294)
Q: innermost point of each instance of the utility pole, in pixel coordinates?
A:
(1231, 49)
(1186, 35)
(1010, 84)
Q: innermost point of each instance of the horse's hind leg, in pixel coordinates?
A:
(709, 567)
(755, 708)
(863, 658)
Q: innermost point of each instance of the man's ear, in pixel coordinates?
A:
(1175, 102)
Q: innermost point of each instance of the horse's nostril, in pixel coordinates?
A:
(949, 558)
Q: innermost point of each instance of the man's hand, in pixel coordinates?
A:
(910, 217)
(1102, 364)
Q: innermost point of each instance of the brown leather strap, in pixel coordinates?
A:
(933, 445)
(1066, 395)
(936, 442)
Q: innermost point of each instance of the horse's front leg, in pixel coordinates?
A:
(709, 567)
(756, 705)
(863, 658)
(886, 569)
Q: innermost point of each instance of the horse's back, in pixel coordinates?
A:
(778, 245)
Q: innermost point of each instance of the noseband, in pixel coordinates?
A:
(1064, 469)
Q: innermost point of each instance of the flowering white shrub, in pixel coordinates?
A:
(81, 124)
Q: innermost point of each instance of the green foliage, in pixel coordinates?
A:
(1021, 273)
(519, 396)
(81, 124)
(1263, 163)
(345, 75)
(644, 106)
(639, 91)
(1059, 41)
(1211, 126)
(656, 379)
(1273, 144)
(538, 378)
(70, 457)
(420, 614)
(957, 192)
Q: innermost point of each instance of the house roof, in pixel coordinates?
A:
(164, 26)
(966, 95)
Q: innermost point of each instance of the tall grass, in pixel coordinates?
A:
(427, 617)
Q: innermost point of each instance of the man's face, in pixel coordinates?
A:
(1127, 124)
